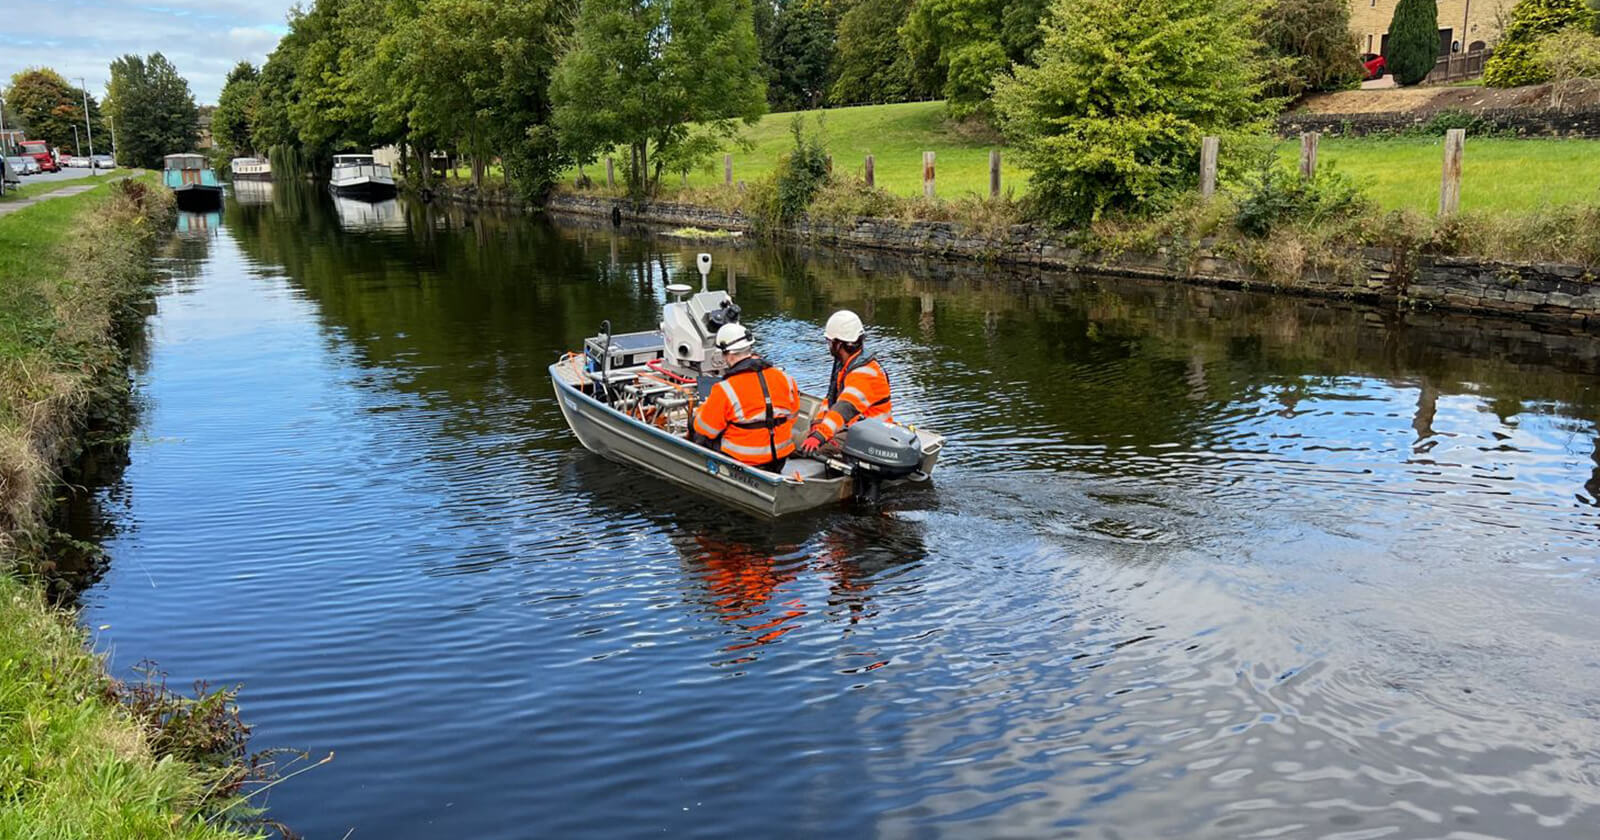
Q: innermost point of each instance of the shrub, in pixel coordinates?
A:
(1413, 40)
(1515, 60)
(1316, 50)
(787, 193)
(1567, 55)
(1276, 197)
(1112, 116)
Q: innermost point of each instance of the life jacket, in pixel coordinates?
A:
(858, 388)
(752, 410)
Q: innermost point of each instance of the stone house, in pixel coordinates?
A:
(1464, 25)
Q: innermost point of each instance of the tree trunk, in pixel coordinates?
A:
(405, 160)
(477, 171)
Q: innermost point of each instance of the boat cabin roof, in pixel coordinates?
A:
(248, 160)
(352, 159)
(183, 161)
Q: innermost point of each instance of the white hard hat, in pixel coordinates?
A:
(844, 325)
(734, 338)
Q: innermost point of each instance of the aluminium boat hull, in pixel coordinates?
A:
(614, 435)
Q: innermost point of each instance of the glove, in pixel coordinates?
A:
(810, 445)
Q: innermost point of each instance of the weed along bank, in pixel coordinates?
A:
(77, 759)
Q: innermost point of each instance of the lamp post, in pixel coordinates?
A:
(5, 139)
(87, 126)
(76, 149)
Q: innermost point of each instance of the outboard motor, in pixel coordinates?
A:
(878, 451)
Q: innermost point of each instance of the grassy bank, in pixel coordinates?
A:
(1499, 175)
(74, 761)
(30, 189)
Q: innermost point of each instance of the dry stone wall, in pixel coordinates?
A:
(1565, 294)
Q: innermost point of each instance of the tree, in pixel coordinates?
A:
(640, 73)
(154, 110)
(959, 46)
(1315, 48)
(1112, 117)
(1515, 61)
(231, 123)
(43, 102)
(798, 55)
(1565, 56)
(1413, 40)
(871, 64)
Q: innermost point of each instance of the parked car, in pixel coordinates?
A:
(8, 175)
(78, 162)
(104, 162)
(23, 165)
(1375, 64)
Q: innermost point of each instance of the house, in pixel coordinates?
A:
(1464, 25)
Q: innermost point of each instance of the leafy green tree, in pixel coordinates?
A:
(44, 103)
(231, 123)
(1112, 117)
(1314, 46)
(959, 46)
(798, 55)
(1413, 40)
(640, 73)
(1515, 60)
(153, 108)
(871, 64)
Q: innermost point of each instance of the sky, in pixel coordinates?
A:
(203, 38)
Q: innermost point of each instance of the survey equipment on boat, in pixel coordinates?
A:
(689, 326)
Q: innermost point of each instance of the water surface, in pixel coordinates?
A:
(1196, 563)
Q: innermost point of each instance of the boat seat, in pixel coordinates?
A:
(805, 468)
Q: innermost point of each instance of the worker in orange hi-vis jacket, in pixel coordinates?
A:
(749, 415)
(858, 387)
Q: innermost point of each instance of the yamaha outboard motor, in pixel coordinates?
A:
(877, 452)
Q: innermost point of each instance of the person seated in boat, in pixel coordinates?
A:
(858, 387)
(749, 414)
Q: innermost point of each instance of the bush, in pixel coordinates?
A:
(1112, 116)
(1277, 196)
(1413, 40)
(800, 174)
(1516, 60)
(1316, 51)
(1567, 55)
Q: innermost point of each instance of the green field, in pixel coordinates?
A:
(1499, 174)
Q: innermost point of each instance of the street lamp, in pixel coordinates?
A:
(5, 139)
(87, 125)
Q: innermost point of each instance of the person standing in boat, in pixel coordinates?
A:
(749, 415)
(857, 388)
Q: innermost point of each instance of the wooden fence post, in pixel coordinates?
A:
(870, 182)
(994, 173)
(1308, 154)
(727, 170)
(1450, 186)
(829, 163)
(611, 174)
(927, 174)
(1208, 166)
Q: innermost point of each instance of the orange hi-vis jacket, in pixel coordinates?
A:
(860, 388)
(752, 410)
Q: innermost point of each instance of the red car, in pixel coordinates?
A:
(1375, 65)
(39, 151)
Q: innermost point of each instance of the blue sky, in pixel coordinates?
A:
(204, 38)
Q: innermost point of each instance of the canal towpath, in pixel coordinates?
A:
(76, 188)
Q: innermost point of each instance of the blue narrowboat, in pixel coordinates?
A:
(192, 182)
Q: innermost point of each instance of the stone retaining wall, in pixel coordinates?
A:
(1565, 294)
(1518, 121)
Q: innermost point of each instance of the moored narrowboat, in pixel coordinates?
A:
(192, 182)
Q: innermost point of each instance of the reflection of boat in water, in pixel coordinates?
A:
(631, 398)
(193, 223)
(193, 183)
(250, 169)
(359, 176)
(252, 192)
(368, 215)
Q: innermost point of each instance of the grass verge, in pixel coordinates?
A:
(30, 189)
(81, 755)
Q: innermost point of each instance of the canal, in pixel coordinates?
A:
(1197, 563)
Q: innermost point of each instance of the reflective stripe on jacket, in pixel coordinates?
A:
(755, 424)
(860, 388)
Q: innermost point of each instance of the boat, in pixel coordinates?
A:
(192, 182)
(359, 176)
(250, 169)
(631, 398)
